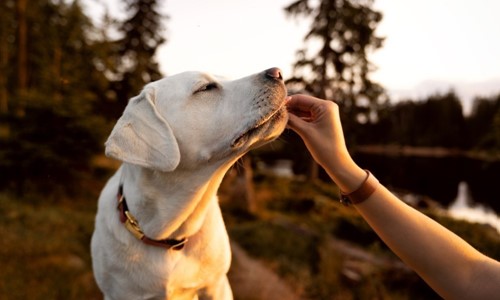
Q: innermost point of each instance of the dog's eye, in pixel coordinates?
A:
(207, 87)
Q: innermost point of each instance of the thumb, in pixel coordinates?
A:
(296, 124)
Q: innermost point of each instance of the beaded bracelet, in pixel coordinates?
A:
(365, 190)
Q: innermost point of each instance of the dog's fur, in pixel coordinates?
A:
(176, 140)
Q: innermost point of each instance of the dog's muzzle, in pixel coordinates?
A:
(270, 105)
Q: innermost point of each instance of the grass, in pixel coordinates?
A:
(45, 254)
(44, 250)
(295, 231)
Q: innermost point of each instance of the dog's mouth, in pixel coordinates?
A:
(264, 127)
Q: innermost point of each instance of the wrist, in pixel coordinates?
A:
(346, 173)
(362, 193)
(349, 179)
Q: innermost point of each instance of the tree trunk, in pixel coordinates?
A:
(314, 167)
(58, 81)
(4, 100)
(249, 188)
(4, 59)
(313, 171)
(4, 105)
(22, 58)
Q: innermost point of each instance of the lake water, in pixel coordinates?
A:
(464, 207)
(468, 188)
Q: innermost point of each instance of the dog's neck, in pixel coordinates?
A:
(174, 204)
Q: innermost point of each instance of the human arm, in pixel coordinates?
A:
(447, 263)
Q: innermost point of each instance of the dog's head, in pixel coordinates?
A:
(192, 118)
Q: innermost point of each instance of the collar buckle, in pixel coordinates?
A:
(133, 226)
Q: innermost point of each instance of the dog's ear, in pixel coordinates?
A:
(143, 137)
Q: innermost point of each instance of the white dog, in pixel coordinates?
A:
(159, 232)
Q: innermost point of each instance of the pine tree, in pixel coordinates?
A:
(142, 35)
(339, 69)
(53, 127)
(342, 32)
(22, 56)
(7, 34)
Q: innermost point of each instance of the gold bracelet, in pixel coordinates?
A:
(365, 190)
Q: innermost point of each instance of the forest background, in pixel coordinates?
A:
(64, 81)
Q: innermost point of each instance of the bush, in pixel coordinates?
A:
(50, 147)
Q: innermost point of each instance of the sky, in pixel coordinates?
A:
(430, 45)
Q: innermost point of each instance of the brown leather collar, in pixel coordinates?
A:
(133, 226)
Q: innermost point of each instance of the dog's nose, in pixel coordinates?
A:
(274, 73)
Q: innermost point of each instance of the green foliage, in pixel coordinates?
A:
(52, 149)
(135, 50)
(269, 241)
(435, 121)
(51, 129)
(44, 250)
(7, 50)
(54, 124)
(484, 124)
(297, 231)
(333, 65)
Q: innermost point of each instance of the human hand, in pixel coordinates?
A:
(317, 122)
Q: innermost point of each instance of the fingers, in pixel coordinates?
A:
(299, 108)
(301, 102)
(302, 106)
(308, 107)
(304, 115)
(307, 112)
(295, 123)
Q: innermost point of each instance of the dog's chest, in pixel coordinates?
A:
(174, 274)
